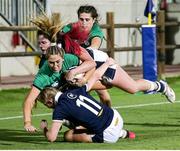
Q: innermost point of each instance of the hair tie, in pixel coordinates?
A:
(53, 44)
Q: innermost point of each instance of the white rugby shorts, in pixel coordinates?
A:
(112, 133)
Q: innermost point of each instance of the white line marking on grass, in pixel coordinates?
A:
(141, 105)
(17, 117)
(116, 107)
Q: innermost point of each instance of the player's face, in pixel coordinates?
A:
(43, 43)
(86, 21)
(55, 62)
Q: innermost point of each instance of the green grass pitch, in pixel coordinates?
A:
(155, 122)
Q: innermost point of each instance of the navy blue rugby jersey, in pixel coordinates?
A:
(82, 109)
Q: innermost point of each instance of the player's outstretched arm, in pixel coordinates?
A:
(27, 108)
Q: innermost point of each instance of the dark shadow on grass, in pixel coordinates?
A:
(154, 124)
(21, 136)
(155, 131)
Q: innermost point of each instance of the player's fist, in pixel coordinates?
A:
(29, 128)
(43, 124)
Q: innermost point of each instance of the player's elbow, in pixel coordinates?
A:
(51, 138)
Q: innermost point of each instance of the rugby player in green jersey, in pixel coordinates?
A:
(50, 74)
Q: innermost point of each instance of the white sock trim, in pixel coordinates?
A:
(153, 85)
(123, 133)
(158, 86)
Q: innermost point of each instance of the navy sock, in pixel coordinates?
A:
(160, 87)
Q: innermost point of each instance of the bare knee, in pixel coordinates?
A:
(68, 135)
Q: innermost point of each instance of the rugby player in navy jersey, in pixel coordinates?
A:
(98, 123)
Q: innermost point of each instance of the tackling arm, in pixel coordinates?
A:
(27, 108)
(87, 64)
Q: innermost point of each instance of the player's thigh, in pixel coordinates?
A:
(124, 81)
(78, 135)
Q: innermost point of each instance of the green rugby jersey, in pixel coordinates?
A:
(96, 31)
(47, 77)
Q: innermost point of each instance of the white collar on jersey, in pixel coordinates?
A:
(57, 96)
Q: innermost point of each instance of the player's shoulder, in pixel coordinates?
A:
(68, 55)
